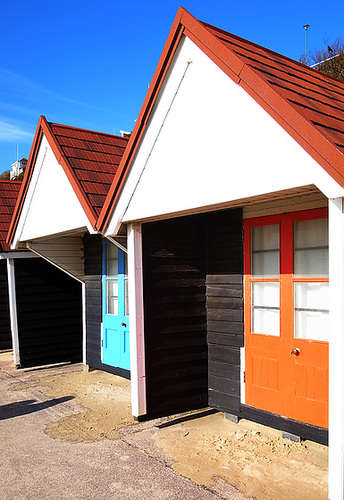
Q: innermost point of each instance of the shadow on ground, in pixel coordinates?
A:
(27, 406)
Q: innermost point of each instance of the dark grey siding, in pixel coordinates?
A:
(5, 325)
(49, 313)
(93, 250)
(194, 320)
(175, 315)
(225, 320)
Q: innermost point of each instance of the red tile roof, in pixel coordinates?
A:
(93, 157)
(90, 160)
(9, 191)
(307, 104)
(318, 98)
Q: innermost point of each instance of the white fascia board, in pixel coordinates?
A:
(208, 143)
(51, 205)
(17, 255)
(13, 310)
(336, 350)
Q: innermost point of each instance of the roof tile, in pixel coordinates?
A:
(93, 158)
(9, 191)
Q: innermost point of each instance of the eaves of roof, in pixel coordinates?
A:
(307, 104)
(89, 160)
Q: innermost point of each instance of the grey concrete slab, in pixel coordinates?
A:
(34, 466)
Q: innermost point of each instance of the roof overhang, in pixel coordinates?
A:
(310, 139)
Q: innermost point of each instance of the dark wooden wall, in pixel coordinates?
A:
(225, 320)
(49, 313)
(175, 315)
(5, 325)
(93, 250)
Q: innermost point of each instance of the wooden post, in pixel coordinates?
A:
(83, 291)
(336, 350)
(13, 310)
(137, 343)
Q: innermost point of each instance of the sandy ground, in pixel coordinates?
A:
(209, 450)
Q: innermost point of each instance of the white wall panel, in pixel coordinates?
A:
(51, 205)
(207, 143)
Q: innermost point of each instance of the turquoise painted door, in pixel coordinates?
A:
(115, 341)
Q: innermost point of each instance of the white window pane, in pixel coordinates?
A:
(265, 294)
(111, 261)
(311, 248)
(312, 325)
(265, 308)
(112, 297)
(265, 250)
(311, 302)
(266, 321)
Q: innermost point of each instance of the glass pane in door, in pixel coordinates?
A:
(311, 311)
(265, 308)
(265, 250)
(311, 248)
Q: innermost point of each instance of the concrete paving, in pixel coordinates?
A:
(35, 466)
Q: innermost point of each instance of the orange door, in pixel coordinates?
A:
(286, 315)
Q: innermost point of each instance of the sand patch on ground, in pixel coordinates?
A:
(253, 458)
(103, 398)
(209, 450)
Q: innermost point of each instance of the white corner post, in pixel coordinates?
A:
(83, 291)
(13, 310)
(137, 341)
(336, 350)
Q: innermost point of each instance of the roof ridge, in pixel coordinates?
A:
(87, 130)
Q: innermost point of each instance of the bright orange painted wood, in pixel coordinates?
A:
(276, 380)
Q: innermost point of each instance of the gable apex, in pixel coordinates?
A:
(306, 103)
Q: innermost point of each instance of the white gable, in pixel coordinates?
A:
(51, 205)
(208, 143)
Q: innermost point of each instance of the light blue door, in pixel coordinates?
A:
(115, 341)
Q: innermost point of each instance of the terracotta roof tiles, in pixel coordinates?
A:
(318, 98)
(93, 158)
(9, 191)
(308, 104)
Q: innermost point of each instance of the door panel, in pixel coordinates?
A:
(115, 340)
(286, 368)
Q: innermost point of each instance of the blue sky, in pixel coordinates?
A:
(88, 63)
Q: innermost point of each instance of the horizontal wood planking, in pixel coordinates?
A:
(5, 324)
(49, 313)
(93, 251)
(307, 201)
(66, 252)
(175, 315)
(305, 431)
(225, 327)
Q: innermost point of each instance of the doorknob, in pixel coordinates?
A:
(124, 324)
(295, 351)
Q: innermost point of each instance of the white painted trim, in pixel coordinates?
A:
(336, 350)
(13, 310)
(123, 202)
(117, 244)
(242, 376)
(137, 340)
(83, 291)
(18, 255)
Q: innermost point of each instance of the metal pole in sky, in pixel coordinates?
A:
(306, 26)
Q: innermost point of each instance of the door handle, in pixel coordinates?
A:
(124, 324)
(295, 351)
